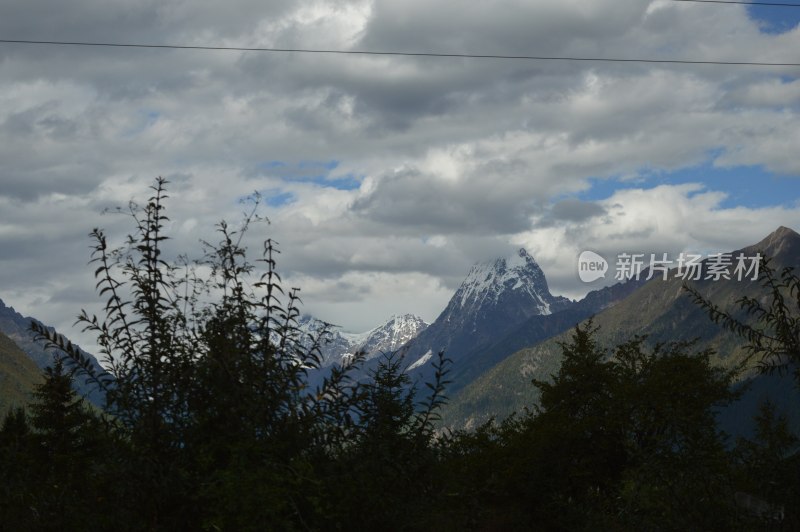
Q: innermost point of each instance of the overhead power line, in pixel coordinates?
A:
(402, 54)
(772, 4)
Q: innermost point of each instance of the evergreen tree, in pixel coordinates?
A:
(384, 477)
(769, 471)
(17, 486)
(769, 466)
(58, 461)
(623, 439)
(214, 424)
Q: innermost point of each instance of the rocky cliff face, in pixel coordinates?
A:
(495, 297)
(385, 338)
(392, 335)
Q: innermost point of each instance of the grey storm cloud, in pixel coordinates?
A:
(456, 158)
(332, 257)
(499, 28)
(574, 210)
(411, 197)
(119, 21)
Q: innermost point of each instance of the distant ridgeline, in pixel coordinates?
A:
(17, 328)
(660, 309)
(501, 329)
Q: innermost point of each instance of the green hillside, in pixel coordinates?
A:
(18, 328)
(660, 309)
(18, 375)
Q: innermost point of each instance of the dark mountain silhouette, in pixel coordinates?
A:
(657, 308)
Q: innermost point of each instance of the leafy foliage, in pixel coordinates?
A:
(774, 336)
(210, 422)
(624, 439)
(769, 465)
(208, 405)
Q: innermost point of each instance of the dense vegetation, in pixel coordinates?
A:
(18, 375)
(210, 423)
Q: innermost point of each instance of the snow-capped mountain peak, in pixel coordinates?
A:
(392, 335)
(494, 297)
(388, 337)
(488, 281)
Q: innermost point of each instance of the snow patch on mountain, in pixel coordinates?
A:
(422, 360)
(494, 297)
(488, 281)
(392, 335)
(339, 345)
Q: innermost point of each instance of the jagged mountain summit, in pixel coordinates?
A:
(494, 298)
(387, 337)
(392, 335)
(661, 310)
(336, 344)
(517, 279)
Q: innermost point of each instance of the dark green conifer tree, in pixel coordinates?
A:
(214, 423)
(17, 487)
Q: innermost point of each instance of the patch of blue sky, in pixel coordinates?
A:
(269, 165)
(745, 186)
(319, 173)
(278, 198)
(293, 169)
(343, 182)
(146, 118)
(775, 19)
(327, 165)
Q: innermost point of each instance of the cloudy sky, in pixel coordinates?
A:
(385, 178)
